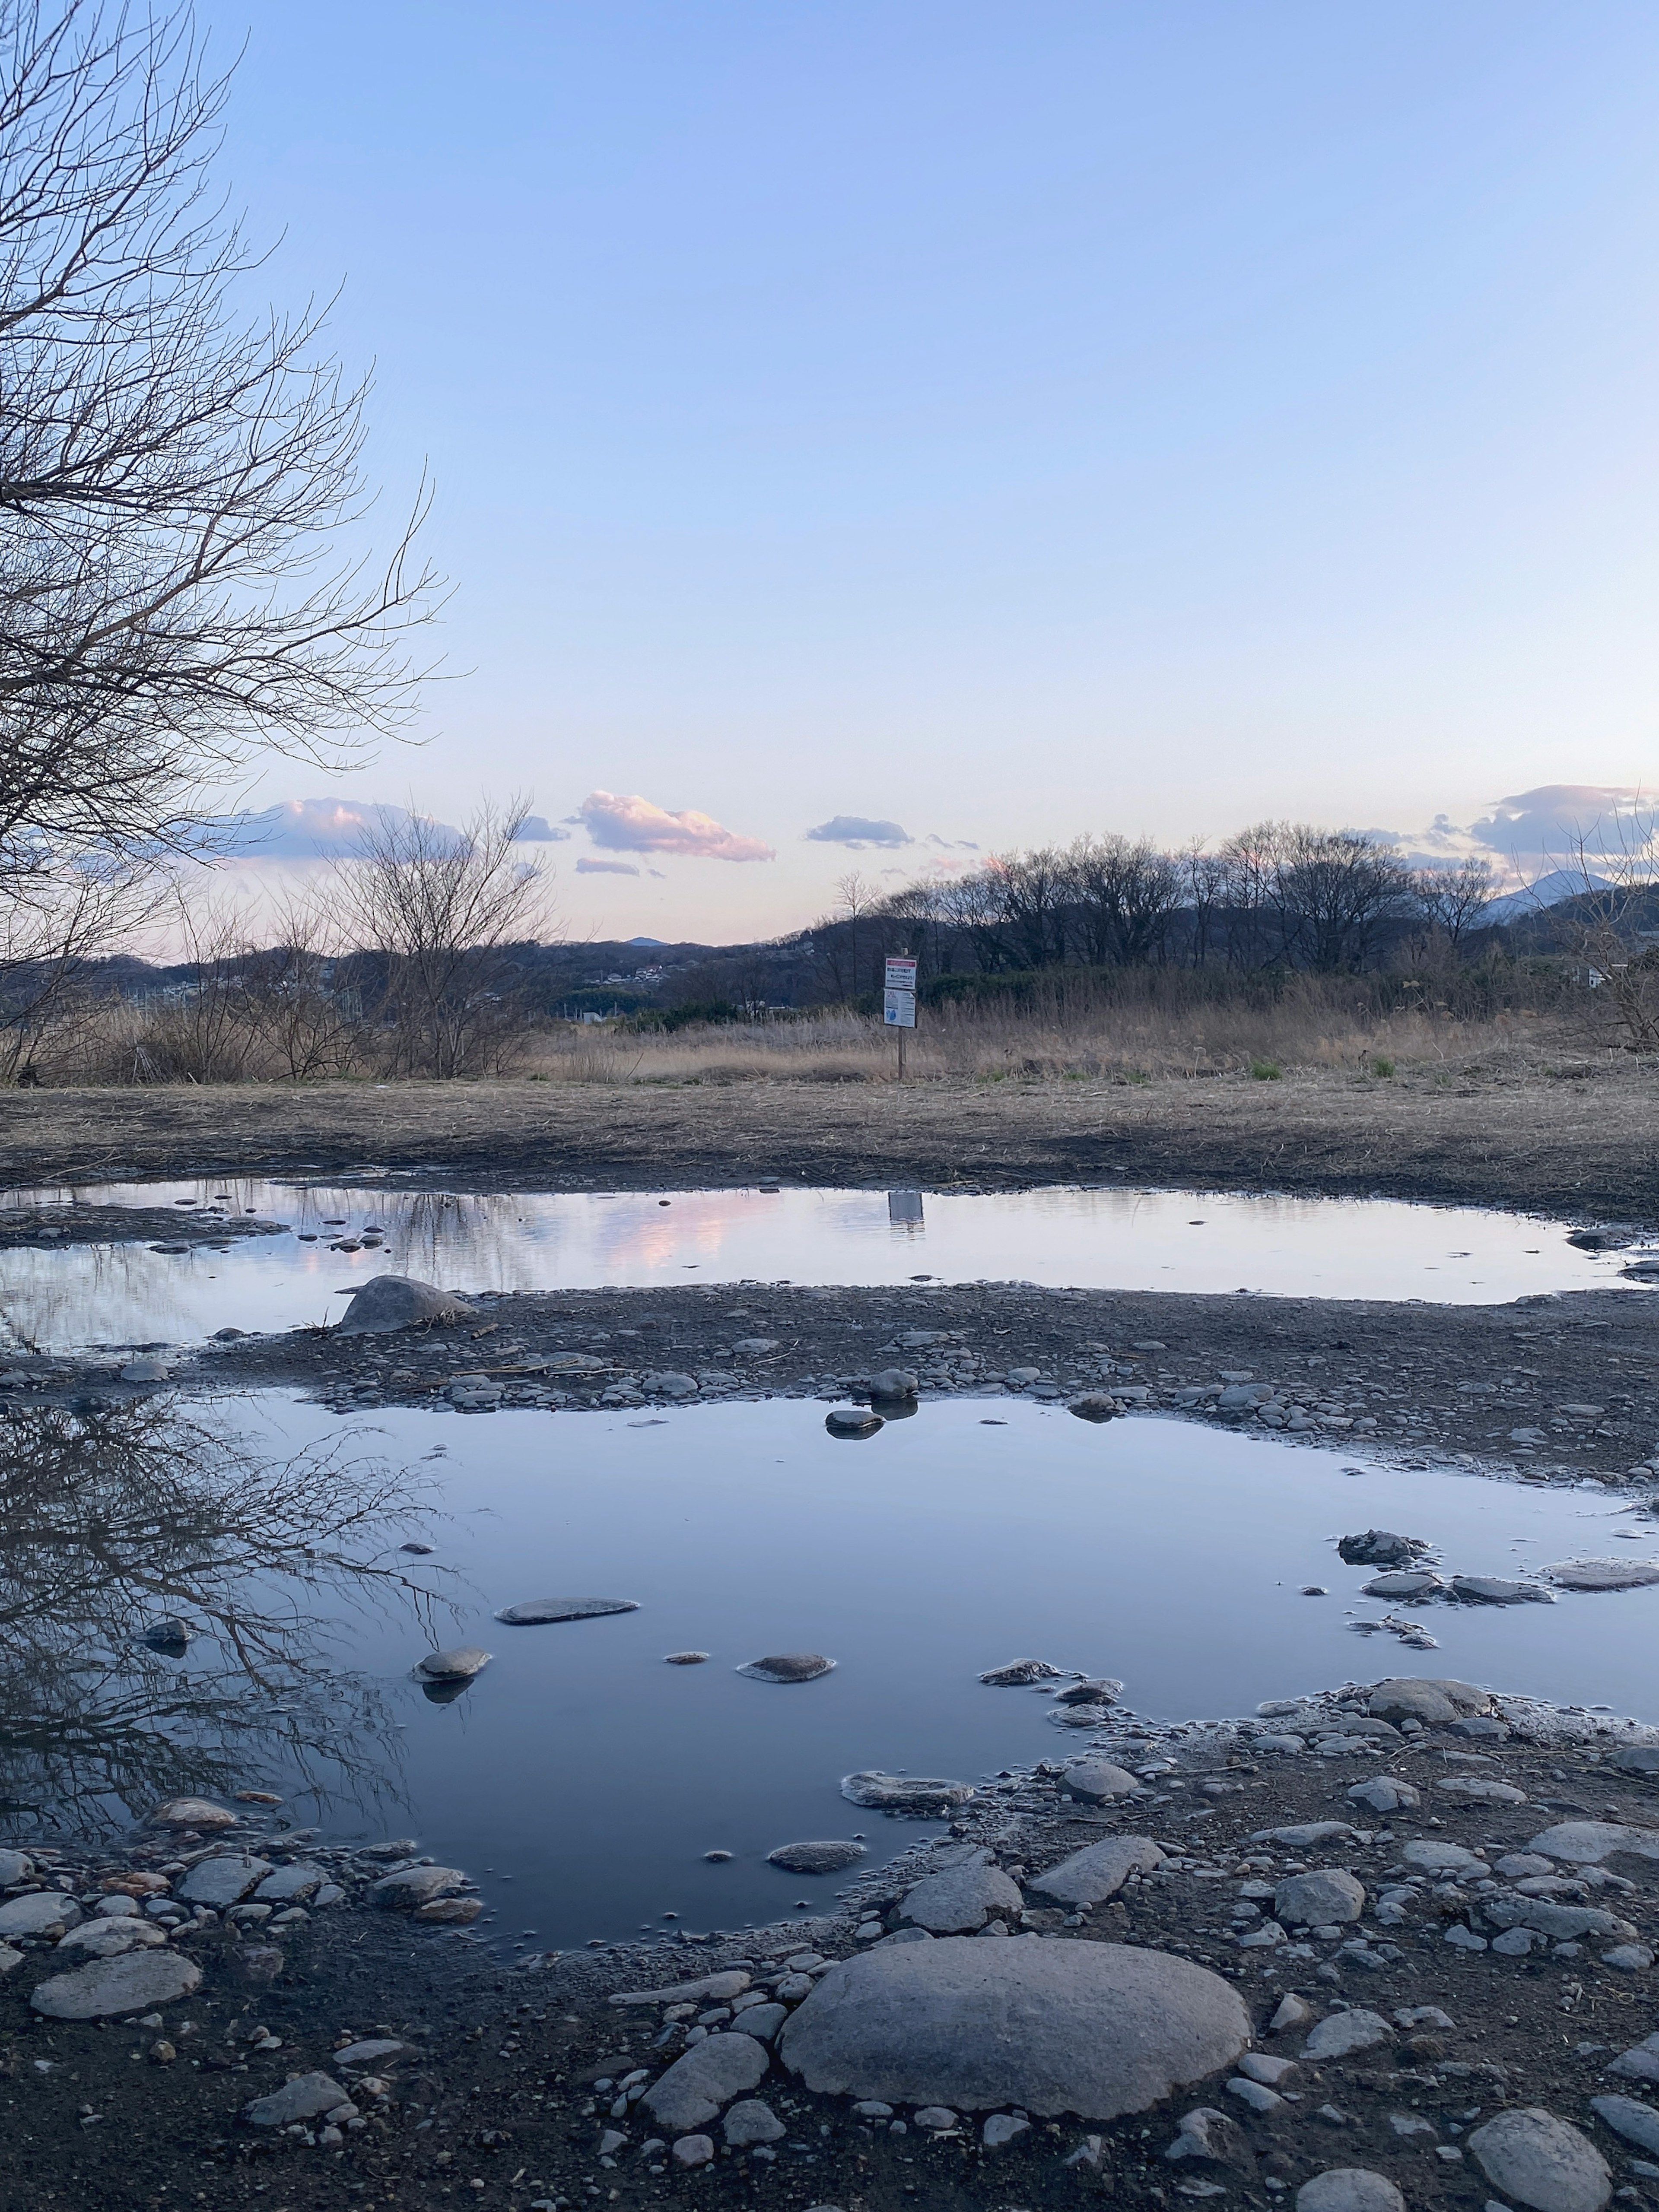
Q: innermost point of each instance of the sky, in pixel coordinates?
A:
(967, 425)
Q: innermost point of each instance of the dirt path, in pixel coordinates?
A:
(1585, 1144)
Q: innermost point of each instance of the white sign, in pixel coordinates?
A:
(902, 975)
(899, 1010)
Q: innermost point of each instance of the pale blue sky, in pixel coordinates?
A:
(1000, 421)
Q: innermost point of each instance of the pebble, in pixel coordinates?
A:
(224, 1881)
(1385, 1793)
(197, 1813)
(460, 1665)
(1541, 2161)
(684, 1658)
(414, 1885)
(852, 1421)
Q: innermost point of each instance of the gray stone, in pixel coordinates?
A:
(1476, 1787)
(1292, 2012)
(537, 1612)
(389, 1301)
(1092, 1875)
(903, 1793)
(1587, 1842)
(752, 2121)
(1384, 1793)
(853, 1421)
(693, 2150)
(15, 1866)
(706, 2078)
(1092, 1405)
(1213, 2141)
(306, 2097)
(1635, 1758)
(1306, 1834)
(896, 1383)
(198, 1813)
(460, 1665)
(111, 1939)
(1097, 1781)
(936, 2118)
(1433, 1857)
(763, 2022)
(42, 1912)
(1325, 1899)
(753, 1347)
(414, 1885)
(815, 1859)
(1380, 1547)
(1349, 2188)
(10, 1960)
(1628, 1958)
(712, 1989)
(1603, 1574)
(222, 1882)
(1480, 1728)
(1412, 1582)
(1562, 1924)
(959, 1899)
(1000, 2129)
(1541, 2162)
(1498, 1590)
(291, 1882)
(1019, 1674)
(1339, 2034)
(684, 1658)
(1434, 1700)
(1091, 2028)
(370, 2052)
(109, 1987)
(1515, 1942)
(1638, 2122)
(1276, 2073)
(787, 1666)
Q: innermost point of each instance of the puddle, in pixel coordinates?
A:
(1197, 1242)
(579, 1778)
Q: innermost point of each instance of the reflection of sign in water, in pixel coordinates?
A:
(904, 1209)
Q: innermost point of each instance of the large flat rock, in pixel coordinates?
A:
(959, 1899)
(1094, 2029)
(1092, 1875)
(710, 2075)
(110, 1987)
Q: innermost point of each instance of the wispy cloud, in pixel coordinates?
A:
(538, 831)
(856, 831)
(633, 824)
(587, 867)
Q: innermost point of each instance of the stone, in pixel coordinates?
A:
(896, 1383)
(853, 1421)
(1095, 2029)
(1541, 2162)
(762, 2020)
(684, 1658)
(1587, 1842)
(460, 1665)
(1476, 1787)
(1514, 1942)
(411, 1886)
(1002, 2129)
(1340, 2034)
(1635, 1758)
(391, 1302)
(1380, 1547)
(752, 2121)
(224, 1881)
(110, 1939)
(1386, 1794)
(754, 1347)
(1255, 2094)
(959, 1899)
(1463, 1939)
(1093, 1406)
(1413, 1582)
(815, 1859)
(169, 1636)
(306, 2097)
(1102, 1690)
(1432, 1857)
(1638, 2122)
(704, 2079)
(197, 1813)
(1276, 2073)
(291, 1882)
(371, 2051)
(1603, 1574)
(1496, 1590)
(41, 1913)
(10, 1960)
(918, 1794)
(1092, 1875)
(787, 1666)
(1325, 1899)
(936, 2118)
(15, 1866)
(1433, 1700)
(1562, 1924)
(1293, 2011)
(1349, 2188)
(1480, 1728)
(109, 1987)
(1213, 2140)
(712, 1989)
(1097, 1781)
(1628, 1958)
(450, 1911)
(1306, 1834)
(1019, 1674)
(537, 1612)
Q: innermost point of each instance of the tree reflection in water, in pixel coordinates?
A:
(116, 1519)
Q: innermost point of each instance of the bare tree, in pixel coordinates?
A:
(442, 908)
(170, 471)
(1034, 889)
(1125, 892)
(856, 896)
(1454, 899)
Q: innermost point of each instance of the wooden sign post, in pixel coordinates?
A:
(899, 999)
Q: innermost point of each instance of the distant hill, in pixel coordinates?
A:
(1549, 891)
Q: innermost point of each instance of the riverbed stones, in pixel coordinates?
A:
(197, 1813)
(1499, 1589)
(829, 1857)
(1433, 1700)
(712, 1989)
(1095, 2029)
(684, 1658)
(918, 1795)
(1340, 2034)
(959, 1900)
(1587, 1842)
(1327, 1897)
(460, 1665)
(1386, 1793)
(110, 1939)
(1431, 1856)
(1380, 1547)
(290, 1883)
(787, 1666)
(1410, 1582)
(752, 2121)
(1629, 2117)
(897, 1384)
(1541, 2162)
(42, 1914)
(1349, 2188)
(392, 1302)
(1097, 1782)
(223, 1880)
(1092, 1875)
(1603, 1574)
(306, 2097)
(1094, 1405)
(1020, 1673)
(853, 1421)
(15, 1866)
(538, 1611)
(414, 1885)
(108, 1988)
(704, 2079)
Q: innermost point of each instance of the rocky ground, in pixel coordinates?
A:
(1402, 1932)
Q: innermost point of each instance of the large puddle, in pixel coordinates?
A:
(55, 1299)
(580, 1777)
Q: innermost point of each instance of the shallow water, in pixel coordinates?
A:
(581, 1779)
(1198, 1242)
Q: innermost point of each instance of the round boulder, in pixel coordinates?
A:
(1325, 1899)
(1093, 2029)
(852, 1421)
(787, 1666)
(1541, 2162)
(1432, 1700)
(460, 1665)
(1095, 1406)
(815, 1859)
(894, 1383)
(1097, 1781)
(1349, 2188)
(389, 1301)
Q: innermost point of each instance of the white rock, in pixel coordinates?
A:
(1001, 2128)
(42, 1912)
(1324, 1898)
(390, 1302)
(1341, 2034)
(1349, 2188)
(306, 2097)
(1541, 2161)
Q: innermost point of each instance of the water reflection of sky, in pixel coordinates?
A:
(1120, 1239)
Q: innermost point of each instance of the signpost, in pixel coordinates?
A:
(899, 1001)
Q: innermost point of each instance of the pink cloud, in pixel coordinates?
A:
(633, 824)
